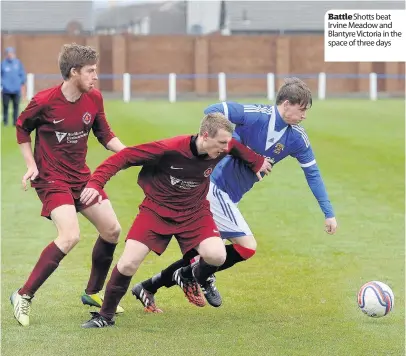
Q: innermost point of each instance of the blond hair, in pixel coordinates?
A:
(213, 122)
(296, 92)
(75, 56)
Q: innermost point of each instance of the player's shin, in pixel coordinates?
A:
(115, 290)
(164, 278)
(202, 270)
(48, 262)
(102, 257)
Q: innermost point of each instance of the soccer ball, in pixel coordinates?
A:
(376, 299)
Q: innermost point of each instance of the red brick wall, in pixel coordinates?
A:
(160, 55)
(245, 55)
(283, 55)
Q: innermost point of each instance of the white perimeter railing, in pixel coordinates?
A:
(222, 84)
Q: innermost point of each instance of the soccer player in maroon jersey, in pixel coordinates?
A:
(63, 117)
(175, 179)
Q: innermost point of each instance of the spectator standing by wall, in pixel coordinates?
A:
(13, 80)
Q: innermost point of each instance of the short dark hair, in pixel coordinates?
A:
(296, 92)
(75, 56)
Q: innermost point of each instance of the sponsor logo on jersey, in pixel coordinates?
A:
(184, 184)
(60, 136)
(71, 137)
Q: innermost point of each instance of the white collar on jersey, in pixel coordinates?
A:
(273, 136)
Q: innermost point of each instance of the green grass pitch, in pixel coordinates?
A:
(297, 296)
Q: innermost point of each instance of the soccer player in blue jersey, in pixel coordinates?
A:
(272, 131)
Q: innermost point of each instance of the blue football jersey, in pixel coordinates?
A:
(261, 128)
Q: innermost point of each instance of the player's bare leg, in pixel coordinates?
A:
(133, 255)
(103, 217)
(66, 222)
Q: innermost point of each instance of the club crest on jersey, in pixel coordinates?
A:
(278, 148)
(87, 118)
(208, 171)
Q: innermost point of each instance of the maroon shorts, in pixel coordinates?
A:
(52, 197)
(156, 232)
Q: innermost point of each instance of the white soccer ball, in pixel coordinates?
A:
(376, 299)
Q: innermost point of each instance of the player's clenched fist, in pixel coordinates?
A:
(331, 225)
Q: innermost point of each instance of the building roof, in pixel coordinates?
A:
(121, 16)
(284, 16)
(45, 16)
(165, 16)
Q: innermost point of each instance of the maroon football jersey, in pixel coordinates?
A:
(174, 177)
(62, 130)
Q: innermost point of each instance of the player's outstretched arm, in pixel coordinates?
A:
(129, 156)
(110, 167)
(319, 191)
(305, 156)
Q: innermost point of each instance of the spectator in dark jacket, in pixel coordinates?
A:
(13, 80)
